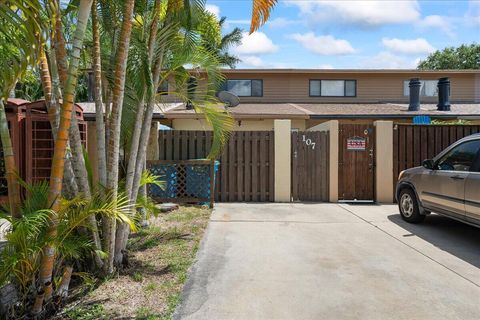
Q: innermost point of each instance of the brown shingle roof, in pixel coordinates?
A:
(390, 109)
(332, 110)
(249, 111)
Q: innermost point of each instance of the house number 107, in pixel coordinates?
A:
(309, 142)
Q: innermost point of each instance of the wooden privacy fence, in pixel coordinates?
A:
(246, 171)
(310, 163)
(414, 143)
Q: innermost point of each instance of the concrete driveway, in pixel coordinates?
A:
(332, 261)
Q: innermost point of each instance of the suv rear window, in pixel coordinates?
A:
(461, 157)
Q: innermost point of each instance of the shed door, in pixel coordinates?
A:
(356, 170)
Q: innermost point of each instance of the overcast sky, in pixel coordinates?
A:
(350, 34)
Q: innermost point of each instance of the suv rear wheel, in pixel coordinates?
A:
(408, 206)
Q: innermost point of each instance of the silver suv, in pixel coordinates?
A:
(448, 184)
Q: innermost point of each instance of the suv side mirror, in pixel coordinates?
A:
(428, 164)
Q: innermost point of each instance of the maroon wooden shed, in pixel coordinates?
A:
(39, 142)
(15, 112)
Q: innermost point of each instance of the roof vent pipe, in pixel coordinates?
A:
(443, 94)
(414, 86)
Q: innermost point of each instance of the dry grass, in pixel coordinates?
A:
(159, 258)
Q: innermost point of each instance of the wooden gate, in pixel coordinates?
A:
(246, 170)
(310, 160)
(356, 166)
(414, 143)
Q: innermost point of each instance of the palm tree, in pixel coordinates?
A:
(20, 259)
(9, 159)
(99, 110)
(222, 45)
(177, 32)
(113, 150)
(60, 146)
(229, 40)
(18, 30)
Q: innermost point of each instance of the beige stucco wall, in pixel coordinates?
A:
(242, 125)
(332, 127)
(283, 155)
(384, 161)
(153, 147)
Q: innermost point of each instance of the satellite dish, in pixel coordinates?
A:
(229, 99)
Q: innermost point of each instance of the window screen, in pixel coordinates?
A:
(257, 88)
(428, 88)
(315, 88)
(460, 158)
(350, 88)
(333, 88)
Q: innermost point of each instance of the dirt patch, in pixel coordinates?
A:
(159, 258)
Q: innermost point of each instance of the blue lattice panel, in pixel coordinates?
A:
(185, 181)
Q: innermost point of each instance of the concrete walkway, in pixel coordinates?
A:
(330, 261)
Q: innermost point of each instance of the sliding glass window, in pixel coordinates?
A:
(333, 88)
(245, 88)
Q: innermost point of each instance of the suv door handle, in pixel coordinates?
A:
(457, 177)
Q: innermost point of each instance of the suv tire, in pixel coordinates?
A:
(408, 206)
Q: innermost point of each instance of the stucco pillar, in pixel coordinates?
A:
(153, 151)
(384, 161)
(283, 160)
(92, 148)
(333, 160)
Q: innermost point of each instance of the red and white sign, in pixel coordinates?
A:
(356, 144)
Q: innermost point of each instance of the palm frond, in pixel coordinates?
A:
(149, 206)
(260, 13)
(149, 178)
(233, 38)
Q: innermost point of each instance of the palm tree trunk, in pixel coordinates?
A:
(78, 162)
(37, 305)
(76, 147)
(123, 229)
(62, 63)
(115, 118)
(141, 106)
(99, 119)
(56, 176)
(70, 187)
(145, 135)
(10, 168)
(65, 282)
(132, 159)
